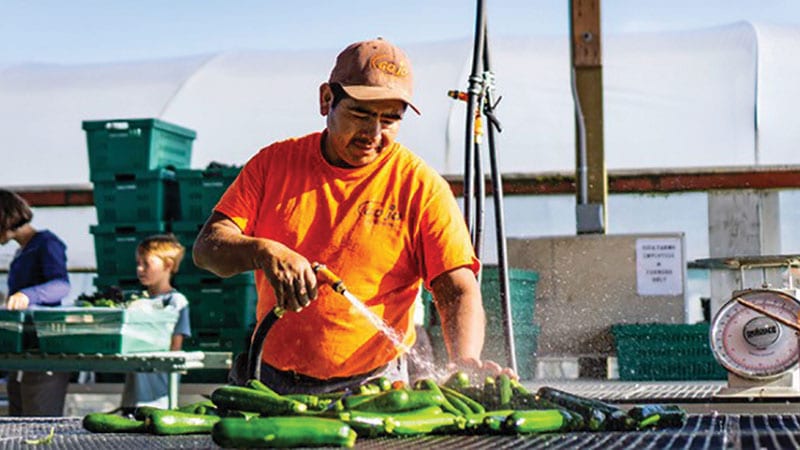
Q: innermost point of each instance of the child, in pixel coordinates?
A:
(158, 257)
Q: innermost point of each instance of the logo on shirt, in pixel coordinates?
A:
(379, 214)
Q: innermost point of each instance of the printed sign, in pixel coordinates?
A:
(659, 266)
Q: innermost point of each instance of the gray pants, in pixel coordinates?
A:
(37, 393)
(284, 382)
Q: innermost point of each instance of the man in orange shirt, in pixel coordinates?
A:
(373, 212)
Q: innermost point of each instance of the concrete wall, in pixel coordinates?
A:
(586, 284)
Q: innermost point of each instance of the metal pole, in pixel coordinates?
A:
(472, 99)
(497, 189)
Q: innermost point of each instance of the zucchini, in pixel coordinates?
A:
(592, 412)
(504, 390)
(473, 404)
(246, 399)
(311, 400)
(458, 380)
(201, 407)
(430, 385)
(260, 386)
(143, 412)
(536, 421)
(397, 400)
(410, 424)
(658, 415)
(112, 423)
(169, 422)
(491, 421)
(282, 432)
(368, 424)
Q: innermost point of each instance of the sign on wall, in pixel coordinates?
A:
(659, 266)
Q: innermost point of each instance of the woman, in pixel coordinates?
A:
(37, 276)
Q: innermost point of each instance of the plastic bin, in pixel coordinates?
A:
(104, 330)
(124, 145)
(526, 340)
(150, 195)
(115, 245)
(216, 302)
(234, 340)
(659, 351)
(17, 332)
(200, 190)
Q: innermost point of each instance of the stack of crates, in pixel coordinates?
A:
(132, 165)
(222, 311)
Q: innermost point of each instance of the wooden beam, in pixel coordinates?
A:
(663, 181)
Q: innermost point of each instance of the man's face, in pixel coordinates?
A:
(359, 130)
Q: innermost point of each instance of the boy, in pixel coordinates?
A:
(158, 258)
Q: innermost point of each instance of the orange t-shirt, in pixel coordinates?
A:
(383, 228)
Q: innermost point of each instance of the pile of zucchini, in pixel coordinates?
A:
(256, 416)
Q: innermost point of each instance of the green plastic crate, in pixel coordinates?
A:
(200, 190)
(104, 330)
(522, 287)
(115, 245)
(526, 339)
(660, 351)
(124, 145)
(17, 333)
(143, 196)
(216, 302)
(235, 340)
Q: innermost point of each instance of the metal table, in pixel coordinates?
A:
(173, 363)
(701, 432)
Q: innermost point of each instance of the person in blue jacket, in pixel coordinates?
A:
(37, 276)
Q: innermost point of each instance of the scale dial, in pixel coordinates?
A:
(752, 345)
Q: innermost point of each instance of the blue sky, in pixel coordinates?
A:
(90, 31)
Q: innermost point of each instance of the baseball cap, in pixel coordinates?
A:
(374, 70)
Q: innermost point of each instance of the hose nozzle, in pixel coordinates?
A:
(325, 275)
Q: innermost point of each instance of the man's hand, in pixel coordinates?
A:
(17, 301)
(290, 274)
(480, 369)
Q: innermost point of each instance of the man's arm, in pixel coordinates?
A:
(458, 301)
(223, 249)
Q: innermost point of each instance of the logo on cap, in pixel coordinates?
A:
(384, 63)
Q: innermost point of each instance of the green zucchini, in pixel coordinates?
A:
(167, 422)
(283, 432)
(430, 385)
(592, 412)
(411, 424)
(397, 400)
(311, 400)
(368, 424)
(112, 423)
(536, 421)
(658, 415)
(491, 421)
(143, 412)
(201, 407)
(246, 399)
(504, 390)
(473, 404)
(458, 380)
(260, 386)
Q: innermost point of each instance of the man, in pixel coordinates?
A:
(352, 198)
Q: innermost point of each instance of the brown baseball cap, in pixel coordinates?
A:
(374, 70)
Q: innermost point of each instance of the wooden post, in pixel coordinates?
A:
(588, 91)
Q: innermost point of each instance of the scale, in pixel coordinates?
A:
(753, 336)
